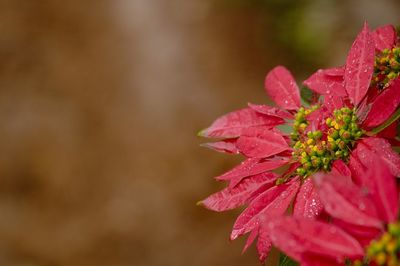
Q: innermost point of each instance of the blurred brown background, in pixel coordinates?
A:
(100, 102)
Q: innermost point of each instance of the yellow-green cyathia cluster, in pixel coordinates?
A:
(343, 131)
(387, 67)
(316, 150)
(300, 122)
(386, 250)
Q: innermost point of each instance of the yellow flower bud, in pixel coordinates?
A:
(380, 258)
(337, 127)
(391, 246)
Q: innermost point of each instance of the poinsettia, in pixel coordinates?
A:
(363, 227)
(334, 131)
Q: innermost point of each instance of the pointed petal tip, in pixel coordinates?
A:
(366, 26)
(281, 86)
(232, 124)
(235, 234)
(261, 143)
(359, 65)
(202, 133)
(385, 37)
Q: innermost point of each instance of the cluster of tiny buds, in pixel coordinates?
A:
(317, 150)
(384, 251)
(343, 131)
(387, 67)
(300, 122)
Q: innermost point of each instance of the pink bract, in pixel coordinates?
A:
(252, 133)
(358, 215)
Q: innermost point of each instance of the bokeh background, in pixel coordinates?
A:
(100, 102)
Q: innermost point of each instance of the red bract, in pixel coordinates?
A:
(260, 143)
(282, 88)
(360, 66)
(384, 37)
(233, 124)
(355, 78)
(326, 137)
(358, 215)
(309, 241)
(384, 105)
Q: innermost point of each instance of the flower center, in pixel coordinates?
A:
(387, 67)
(384, 251)
(316, 150)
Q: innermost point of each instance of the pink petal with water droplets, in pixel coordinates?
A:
(272, 111)
(384, 190)
(345, 201)
(282, 88)
(326, 85)
(341, 168)
(264, 245)
(230, 198)
(233, 124)
(357, 170)
(363, 234)
(244, 169)
(261, 189)
(261, 143)
(333, 102)
(383, 149)
(360, 66)
(249, 167)
(226, 146)
(335, 71)
(298, 237)
(384, 37)
(271, 203)
(310, 259)
(252, 236)
(260, 168)
(307, 203)
(384, 105)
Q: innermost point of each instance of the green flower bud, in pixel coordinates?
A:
(342, 145)
(358, 134)
(392, 75)
(317, 134)
(335, 134)
(300, 171)
(394, 229)
(346, 135)
(328, 121)
(307, 165)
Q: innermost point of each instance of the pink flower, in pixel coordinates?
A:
(374, 52)
(326, 136)
(363, 227)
